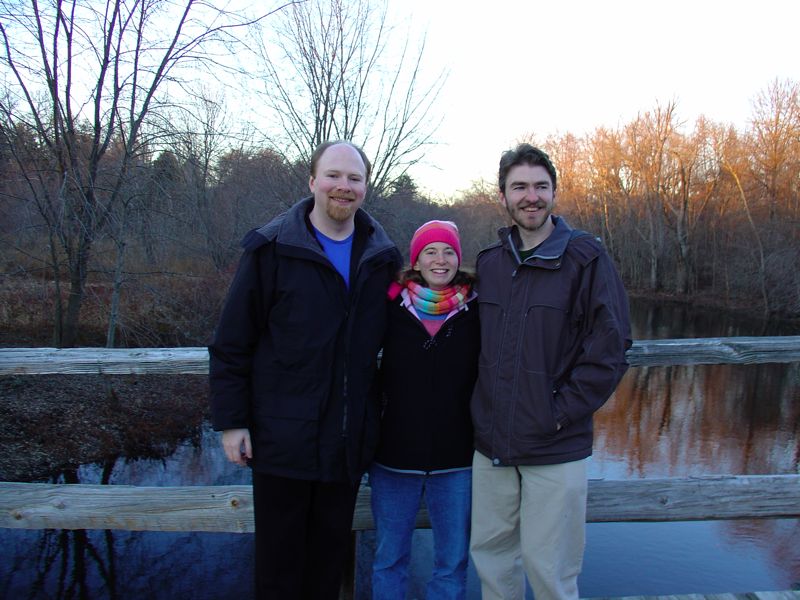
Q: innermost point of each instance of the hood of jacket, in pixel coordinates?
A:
(291, 231)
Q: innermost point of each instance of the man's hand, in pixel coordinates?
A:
(236, 444)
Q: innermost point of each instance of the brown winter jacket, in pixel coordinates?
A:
(554, 332)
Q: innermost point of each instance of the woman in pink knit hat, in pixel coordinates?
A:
(428, 369)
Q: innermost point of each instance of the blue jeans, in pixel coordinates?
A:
(396, 500)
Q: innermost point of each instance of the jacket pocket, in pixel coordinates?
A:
(290, 443)
(546, 330)
(491, 323)
(286, 411)
(533, 420)
(481, 402)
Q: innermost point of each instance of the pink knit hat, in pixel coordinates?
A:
(435, 231)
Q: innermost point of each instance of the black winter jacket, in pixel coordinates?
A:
(294, 356)
(554, 332)
(427, 383)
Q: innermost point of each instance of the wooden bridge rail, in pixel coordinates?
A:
(229, 508)
(188, 361)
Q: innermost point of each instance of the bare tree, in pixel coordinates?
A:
(648, 141)
(733, 162)
(329, 75)
(607, 184)
(86, 75)
(776, 146)
(688, 188)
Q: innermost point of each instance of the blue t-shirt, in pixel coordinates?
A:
(338, 253)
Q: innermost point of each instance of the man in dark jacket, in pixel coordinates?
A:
(292, 366)
(554, 333)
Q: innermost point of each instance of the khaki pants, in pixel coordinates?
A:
(533, 515)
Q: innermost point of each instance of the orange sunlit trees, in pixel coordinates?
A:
(689, 185)
(649, 141)
(776, 148)
(703, 210)
(608, 184)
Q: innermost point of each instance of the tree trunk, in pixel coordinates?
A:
(683, 267)
(653, 250)
(116, 294)
(58, 316)
(77, 288)
(762, 263)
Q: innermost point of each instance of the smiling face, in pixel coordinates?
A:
(437, 264)
(529, 198)
(339, 184)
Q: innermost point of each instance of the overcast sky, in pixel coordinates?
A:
(519, 67)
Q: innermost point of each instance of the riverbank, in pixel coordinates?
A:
(50, 424)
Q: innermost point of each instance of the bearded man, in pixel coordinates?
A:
(554, 333)
(292, 366)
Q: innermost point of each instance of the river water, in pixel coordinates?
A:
(661, 422)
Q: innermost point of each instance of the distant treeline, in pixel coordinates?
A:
(138, 143)
(705, 210)
(702, 211)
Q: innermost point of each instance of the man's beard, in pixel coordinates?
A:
(523, 224)
(340, 213)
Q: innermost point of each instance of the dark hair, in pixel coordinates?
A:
(325, 145)
(462, 277)
(524, 154)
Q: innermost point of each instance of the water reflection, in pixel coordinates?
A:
(68, 557)
(662, 422)
(701, 420)
(664, 320)
(132, 564)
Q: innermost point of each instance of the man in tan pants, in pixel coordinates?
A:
(554, 333)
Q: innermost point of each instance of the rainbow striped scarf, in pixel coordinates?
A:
(437, 302)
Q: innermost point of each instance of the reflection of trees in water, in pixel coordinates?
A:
(130, 564)
(663, 319)
(702, 420)
(711, 419)
(777, 538)
(70, 555)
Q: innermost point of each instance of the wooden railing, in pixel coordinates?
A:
(229, 508)
(194, 361)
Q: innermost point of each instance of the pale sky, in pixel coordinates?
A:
(519, 67)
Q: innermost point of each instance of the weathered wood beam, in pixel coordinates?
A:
(98, 361)
(715, 351)
(230, 508)
(695, 498)
(82, 506)
(171, 361)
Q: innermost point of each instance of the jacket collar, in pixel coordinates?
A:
(293, 229)
(552, 249)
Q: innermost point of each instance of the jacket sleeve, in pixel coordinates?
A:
(234, 342)
(604, 338)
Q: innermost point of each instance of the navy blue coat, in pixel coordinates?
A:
(427, 384)
(294, 356)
